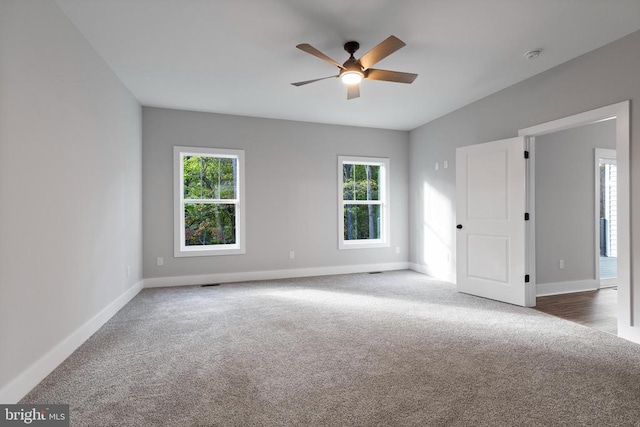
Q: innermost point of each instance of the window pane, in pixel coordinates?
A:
(207, 224)
(360, 182)
(361, 222)
(348, 181)
(208, 177)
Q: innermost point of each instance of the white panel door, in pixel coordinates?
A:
(490, 210)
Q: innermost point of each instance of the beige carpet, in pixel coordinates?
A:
(394, 348)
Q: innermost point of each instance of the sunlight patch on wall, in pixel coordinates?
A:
(438, 251)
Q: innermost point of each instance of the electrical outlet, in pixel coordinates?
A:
(437, 166)
(292, 254)
(128, 270)
(561, 264)
(160, 261)
(445, 164)
(397, 249)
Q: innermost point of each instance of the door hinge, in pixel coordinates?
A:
(526, 278)
(526, 154)
(526, 216)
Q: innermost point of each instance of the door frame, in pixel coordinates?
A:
(600, 153)
(627, 327)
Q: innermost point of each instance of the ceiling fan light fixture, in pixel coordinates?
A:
(353, 71)
(351, 77)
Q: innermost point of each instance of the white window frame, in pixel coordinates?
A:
(383, 192)
(179, 247)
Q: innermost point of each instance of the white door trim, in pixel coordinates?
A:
(627, 307)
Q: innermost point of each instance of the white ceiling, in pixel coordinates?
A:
(239, 56)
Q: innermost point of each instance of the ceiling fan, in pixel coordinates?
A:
(353, 71)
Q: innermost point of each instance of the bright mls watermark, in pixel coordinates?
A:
(34, 415)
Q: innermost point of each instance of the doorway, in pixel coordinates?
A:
(567, 224)
(627, 307)
(607, 219)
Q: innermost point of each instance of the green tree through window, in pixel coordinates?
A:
(361, 182)
(209, 183)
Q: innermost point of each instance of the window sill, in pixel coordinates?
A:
(363, 244)
(227, 250)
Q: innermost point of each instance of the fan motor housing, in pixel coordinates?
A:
(352, 64)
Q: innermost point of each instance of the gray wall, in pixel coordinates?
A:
(291, 190)
(602, 77)
(565, 201)
(70, 184)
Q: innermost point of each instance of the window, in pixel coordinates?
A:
(363, 212)
(209, 201)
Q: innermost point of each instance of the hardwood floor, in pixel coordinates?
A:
(596, 309)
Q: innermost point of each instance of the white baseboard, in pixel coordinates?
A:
(425, 269)
(203, 279)
(21, 385)
(544, 289)
(629, 333)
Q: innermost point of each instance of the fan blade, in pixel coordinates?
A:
(315, 52)
(306, 82)
(381, 51)
(390, 76)
(353, 91)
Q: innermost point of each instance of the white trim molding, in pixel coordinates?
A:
(204, 279)
(23, 383)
